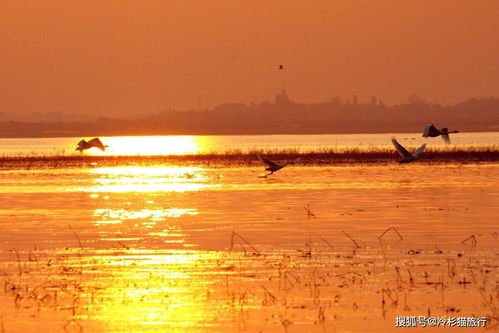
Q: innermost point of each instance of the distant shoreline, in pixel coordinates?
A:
(488, 154)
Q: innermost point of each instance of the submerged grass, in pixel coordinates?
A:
(466, 154)
(315, 286)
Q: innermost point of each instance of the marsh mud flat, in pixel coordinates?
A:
(173, 248)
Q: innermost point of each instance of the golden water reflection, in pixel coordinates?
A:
(154, 220)
(149, 179)
(128, 262)
(114, 216)
(146, 289)
(126, 211)
(150, 289)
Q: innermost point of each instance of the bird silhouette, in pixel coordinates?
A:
(281, 67)
(95, 142)
(432, 131)
(406, 156)
(273, 167)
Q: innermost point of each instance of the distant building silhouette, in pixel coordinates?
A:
(355, 99)
(282, 98)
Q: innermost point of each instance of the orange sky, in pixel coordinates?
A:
(128, 56)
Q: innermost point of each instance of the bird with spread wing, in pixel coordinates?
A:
(406, 156)
(273, 167)
(432, 131)
(95, 142)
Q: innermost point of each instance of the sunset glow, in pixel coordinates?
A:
(213, 166)
(103, 58)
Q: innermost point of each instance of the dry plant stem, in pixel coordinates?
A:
(472, 238)
(353, 240)
(391, 228)
(325, 241)
(309, 212)
(18, 261)
(234, 234)
(76, 235)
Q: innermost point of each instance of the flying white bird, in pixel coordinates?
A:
(273, 167)
(406, 156)
(95, 142)
(432, 131)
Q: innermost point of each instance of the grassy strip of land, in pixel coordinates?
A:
(472, 154)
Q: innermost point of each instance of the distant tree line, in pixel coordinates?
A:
(282, 116)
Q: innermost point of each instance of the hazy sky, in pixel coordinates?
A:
(130, 56)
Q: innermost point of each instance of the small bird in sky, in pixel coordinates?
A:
(407, 157)
(432, 131)
(95, 142)
(281, 67)
(273, 167)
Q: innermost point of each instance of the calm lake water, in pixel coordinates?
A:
(178, 145)
(194, 249)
